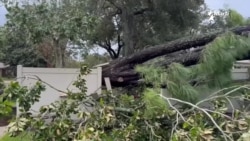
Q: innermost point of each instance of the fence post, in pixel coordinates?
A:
(99, 81)
(19, 72)
(248, 71)
(19, 80)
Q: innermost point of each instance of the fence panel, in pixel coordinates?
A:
(60, 78)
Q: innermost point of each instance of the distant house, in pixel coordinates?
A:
(2, 68)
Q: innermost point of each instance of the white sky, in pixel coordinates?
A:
(242, 6)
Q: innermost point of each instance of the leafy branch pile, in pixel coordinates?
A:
(121, 117)
(179, 116)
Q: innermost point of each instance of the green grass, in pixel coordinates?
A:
(6, 137)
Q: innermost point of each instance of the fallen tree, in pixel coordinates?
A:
(118, 116)
(185, 57)
(121, 71)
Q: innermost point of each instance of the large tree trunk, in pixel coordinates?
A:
(187, 58)
(127, 18)
(60, 47)
(121, 71)
(58, 58)
(46, 48)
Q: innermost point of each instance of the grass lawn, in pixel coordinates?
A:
(18, 138)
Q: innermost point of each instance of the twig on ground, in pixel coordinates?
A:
(225, 136)
(222, 96)
(170, 104)
(152, 129)
(175, 126)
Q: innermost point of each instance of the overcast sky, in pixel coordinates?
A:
(242, 6)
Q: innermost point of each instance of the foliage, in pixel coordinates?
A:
(72, 64)
(2, 41)
(223, 19)
(15, 50)
(6, 108)
(127, 27)
(245, 137)
(95, 59)
(2, 85)
(51, 22)
(5, 105)
(121, 117)
(154, 104)
(220, 55)
(214, 69)
(235, 19)
(132, 25)
(152, 116)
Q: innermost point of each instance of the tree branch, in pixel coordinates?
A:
(119, 9)
(187, 58)
(147, 9)
(121, 71)
(173, 46)
(120, 45)
(108, 48)
(142, 11)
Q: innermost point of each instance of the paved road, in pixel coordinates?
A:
(2, 130)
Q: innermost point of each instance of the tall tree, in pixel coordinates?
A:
(2, 41)
(122, 26)
(15, 50)
(132, 25)
(52, 22)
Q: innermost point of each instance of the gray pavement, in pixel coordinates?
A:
(2, 130)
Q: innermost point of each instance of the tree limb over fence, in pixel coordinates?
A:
(121, 71)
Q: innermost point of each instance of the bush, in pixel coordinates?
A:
(121, 117)
(150, 117)
(6, 107)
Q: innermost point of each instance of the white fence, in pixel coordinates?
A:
(241, 70)
(240, 74)
(62, 79)
(59, 78)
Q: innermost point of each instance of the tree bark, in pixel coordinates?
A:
(60, 47)
(187, 58)
(121, 71)
(59, 58)
(57, 53)
(128, 25)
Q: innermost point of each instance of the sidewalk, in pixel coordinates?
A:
(2, 130)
